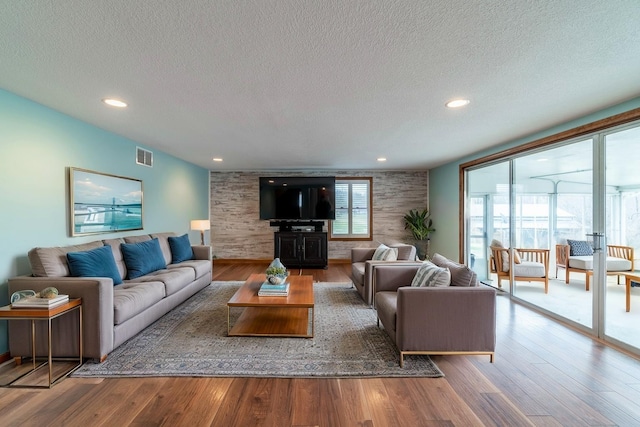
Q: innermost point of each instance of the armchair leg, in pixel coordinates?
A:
(401, 359)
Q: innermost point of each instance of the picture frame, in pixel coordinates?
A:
(103, 203)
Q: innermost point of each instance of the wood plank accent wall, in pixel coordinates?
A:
(237, 233)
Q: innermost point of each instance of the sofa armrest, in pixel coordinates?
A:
(97, 319)
(393, 275)
(361, 254)
(202, 252)
(446, 319)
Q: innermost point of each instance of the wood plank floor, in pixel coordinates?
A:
(545, 374)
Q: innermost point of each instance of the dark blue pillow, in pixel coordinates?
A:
(97, 262)
(142, 258)
(180, 249)
(579, 248)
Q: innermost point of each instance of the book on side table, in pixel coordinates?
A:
(269, 290)
(36, 302)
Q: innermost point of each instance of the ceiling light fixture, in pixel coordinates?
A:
(115, 102)
(382, 159)
(217, 159)
(457, 103)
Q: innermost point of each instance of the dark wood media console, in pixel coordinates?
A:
(301, 249)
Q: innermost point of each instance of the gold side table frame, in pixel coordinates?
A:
(35, 314)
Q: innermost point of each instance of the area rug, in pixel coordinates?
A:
(192, 340)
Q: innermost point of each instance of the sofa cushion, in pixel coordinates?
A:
(505, 254)
(579, 248)
(529, 269)
(97, 262)
(405, 252)
(180, 248)
(430, 275)
(173, 279)
(163, 239)
(137, 239)
(201, 267)
(130, 299)
(52, 262)
(117, 254)
(586, 263)
(461, 275)
(385, 253)
(142, 258)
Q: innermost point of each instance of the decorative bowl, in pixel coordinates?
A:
(276, 279)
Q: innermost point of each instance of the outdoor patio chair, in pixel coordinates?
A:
(533, 265)
(619, 261)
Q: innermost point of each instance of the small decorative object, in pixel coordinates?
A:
(49, 293)
(276, 272)
(16, 296)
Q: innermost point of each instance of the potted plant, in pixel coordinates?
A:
(420, 226)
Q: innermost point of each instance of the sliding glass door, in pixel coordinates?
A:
(622, 230)
(578, 203)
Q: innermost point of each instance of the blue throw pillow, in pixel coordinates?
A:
(579, 248)
(97, 262)
(180, 249)
(142, 258)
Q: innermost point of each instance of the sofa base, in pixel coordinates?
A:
(491, 354)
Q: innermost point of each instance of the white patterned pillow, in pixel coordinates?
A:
(385, 253)
(432, 276)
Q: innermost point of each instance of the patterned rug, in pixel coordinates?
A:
(191, 340)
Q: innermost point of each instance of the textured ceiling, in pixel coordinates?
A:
(276, 84)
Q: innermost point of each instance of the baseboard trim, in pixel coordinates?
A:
(4, 357)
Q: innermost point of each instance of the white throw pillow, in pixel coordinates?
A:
(430, 275)
(385, 253)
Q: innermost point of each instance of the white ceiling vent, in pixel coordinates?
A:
(144, 157)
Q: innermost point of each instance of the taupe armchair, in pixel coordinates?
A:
(533, 266)
(435, 320)
(362, 267)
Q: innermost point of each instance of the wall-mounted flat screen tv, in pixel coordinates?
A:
(297, 198)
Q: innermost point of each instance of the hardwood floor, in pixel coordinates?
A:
(544, 374)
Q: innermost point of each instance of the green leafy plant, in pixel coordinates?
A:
(419, 224)
(276, 271)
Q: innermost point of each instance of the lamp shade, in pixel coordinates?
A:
(200, 224)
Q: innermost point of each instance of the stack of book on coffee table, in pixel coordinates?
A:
(36, 302)
(269, 290)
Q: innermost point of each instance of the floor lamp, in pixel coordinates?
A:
(201, 225)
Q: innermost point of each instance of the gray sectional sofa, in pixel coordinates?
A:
(111, 313)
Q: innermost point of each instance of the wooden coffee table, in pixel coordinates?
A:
(290, 316)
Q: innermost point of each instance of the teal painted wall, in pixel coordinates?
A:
(444, 182)
(38, 145)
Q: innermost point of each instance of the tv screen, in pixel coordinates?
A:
(297, 198)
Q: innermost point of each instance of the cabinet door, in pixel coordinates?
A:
(287, 248)
(315, 248)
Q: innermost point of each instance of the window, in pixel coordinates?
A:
(353, 210)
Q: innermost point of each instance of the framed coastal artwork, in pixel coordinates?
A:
(103, 203)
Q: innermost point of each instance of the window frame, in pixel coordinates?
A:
(351, 237)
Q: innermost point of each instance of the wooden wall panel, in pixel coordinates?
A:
(237, 233)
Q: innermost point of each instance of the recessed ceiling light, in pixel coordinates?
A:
(217, 159)
(457, 103)
(382, 159)
(114, 102)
